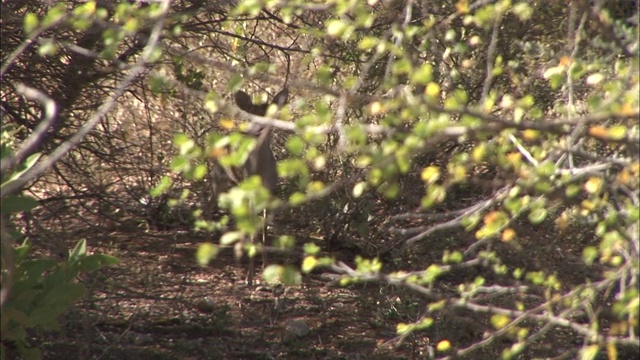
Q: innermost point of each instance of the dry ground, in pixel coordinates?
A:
(158, 304)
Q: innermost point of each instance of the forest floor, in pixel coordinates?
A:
(157, 303)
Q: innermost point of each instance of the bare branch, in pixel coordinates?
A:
(35, 139)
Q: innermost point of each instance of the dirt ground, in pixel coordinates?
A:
(158, 304)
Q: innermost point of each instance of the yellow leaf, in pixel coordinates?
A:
(443, 345)
(500, 321)
(514, 158)
(588, 205)
(593, 185)
(524, 173)
(562, 222)
(618, 132)
(612, 352)
(216, 152)
(315, 186)
(565, 60)
(589, 352)
(375, 108)
(491, 217)
(620, 328)
(553, 71)
(530, 135)
(624, 176)
(430, 174)
(234, 45)
(594, 79)
(432, 90)
(459, 173)
(628, 109)
(462, 6)
(508, 235)
(599, 132)
(309, 263)
(402, 328)
(227, 124)
(479, 152)
(482, 233)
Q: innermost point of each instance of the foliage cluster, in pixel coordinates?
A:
(36, 291)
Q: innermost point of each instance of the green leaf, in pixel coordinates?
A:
(287, 275)
(235, 83)
(457, 100)
(589, 352)
(556, 80)
(402, 329)
(200, 171)
(157, 84)
(297, 199)
(97, 261)
(432, 273)
(536, 277)
(78, 252)
(336, 28)
(514, 205)
(435, 194)
(324, 75)
(311, 249)
(231, 237)
(22, 168)
(423, 75)
(211, 102)
(16, 203)
(455, 257)
(48, 47)
(55, 14)
(589, 255)
(85, 10)
(184, 143)
(248, 7)
(403, 160)
(390, 189)
(402, 66)
(523, 11)
(206, 252)
(546, 169)
(162, 187)
(22, 250)
(180, 164)
(291, 276)
(359, 188)
(31, 23)
(180, 139)
(295, 145)
(56, 302)
(537, 216)
(368, 42)
(572, 190)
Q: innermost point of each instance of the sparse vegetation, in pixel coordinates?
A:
(456, 180)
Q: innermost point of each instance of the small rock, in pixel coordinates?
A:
(205, 304)
(297, 327)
